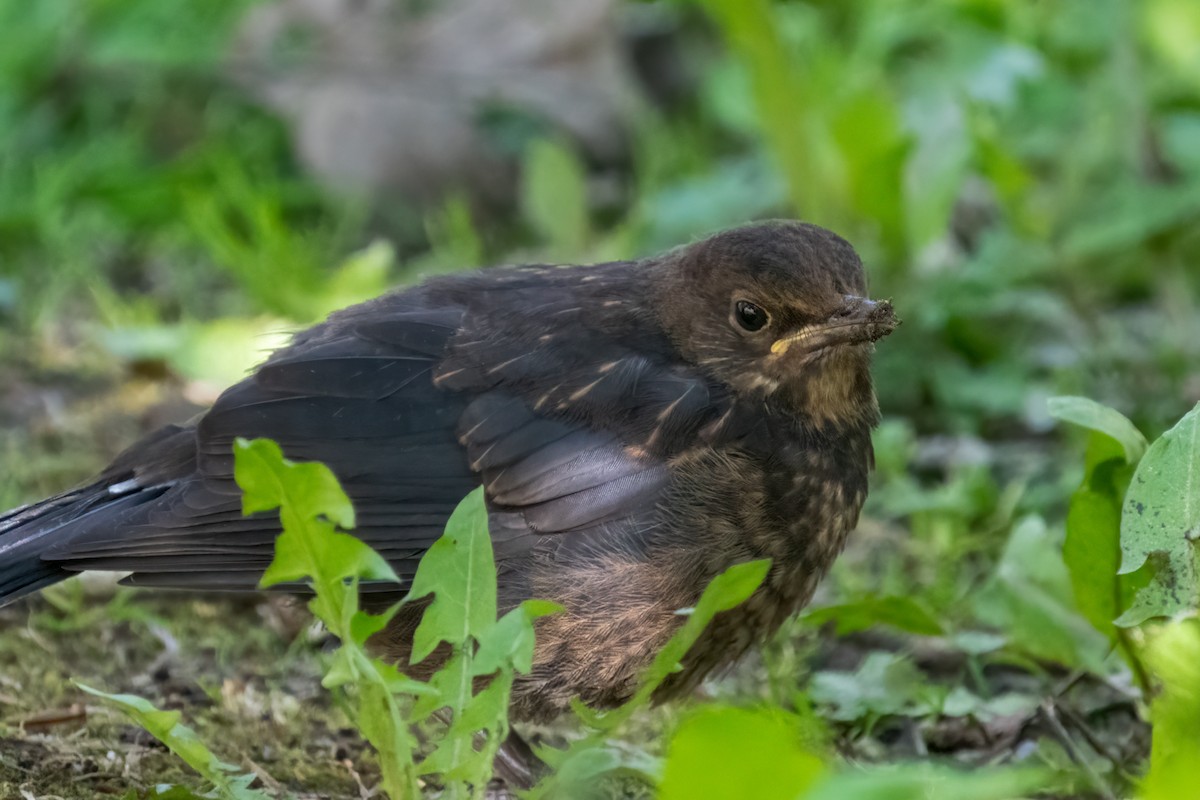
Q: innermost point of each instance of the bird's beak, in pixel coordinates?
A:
(858, 321)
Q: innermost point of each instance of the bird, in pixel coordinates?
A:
(637, 427)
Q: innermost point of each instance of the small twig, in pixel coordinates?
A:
(1094, 741)
(74, 714)
(264, 776)
(1140, 676)
(1064, 738)
(918, 740)
(1071, 681)
(363, 792)
(27, 795)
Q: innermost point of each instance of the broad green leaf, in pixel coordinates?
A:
(904, 613)
(885, 684)
(929, 782)
(183, 742)
(341, 669)
(1161, 519)
(726, 753)
(961, 702)
(1173, 655)
(459, 571)
(1092, 547)
(1029, 597)
(504, 648)
(1101, 419)
(1128, 214)
(875, 148)
(363, 625)
(578, 774)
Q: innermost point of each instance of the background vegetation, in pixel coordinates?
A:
(1022, 178)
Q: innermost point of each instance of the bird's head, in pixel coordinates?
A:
(778, 309)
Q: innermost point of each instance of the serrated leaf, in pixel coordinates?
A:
(266, 479)
(397, 682)
(1101, 419)
(1161, 520)
(363, 625)
(459, 571)
(311, 503)
(290, 564)
(508, 644)
(167, 727)
(340, 670)
(485, 711)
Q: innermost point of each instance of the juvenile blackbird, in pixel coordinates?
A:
(638, 427)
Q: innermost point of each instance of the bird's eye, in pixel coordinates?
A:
(750, 316)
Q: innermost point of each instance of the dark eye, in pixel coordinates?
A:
(750, 316)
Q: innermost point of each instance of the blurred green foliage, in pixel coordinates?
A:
(1021, 177)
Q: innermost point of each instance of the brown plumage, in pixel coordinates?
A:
(638, 427)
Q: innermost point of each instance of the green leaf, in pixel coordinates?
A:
(1092, 548)
(928, 782)
(724, 753)
(310, 503)
(885, 684)
(1029, 597)
(1160, 521)
(166, 727)
(729, 589)
(1101, 419)
(577, 775)
(904, 613)
(458, 571)
(1173, 655)
(961, 702)
(508, 644)
(267, 480)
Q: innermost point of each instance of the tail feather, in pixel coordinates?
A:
(30, 533)
(140, 474)
(24, 534)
